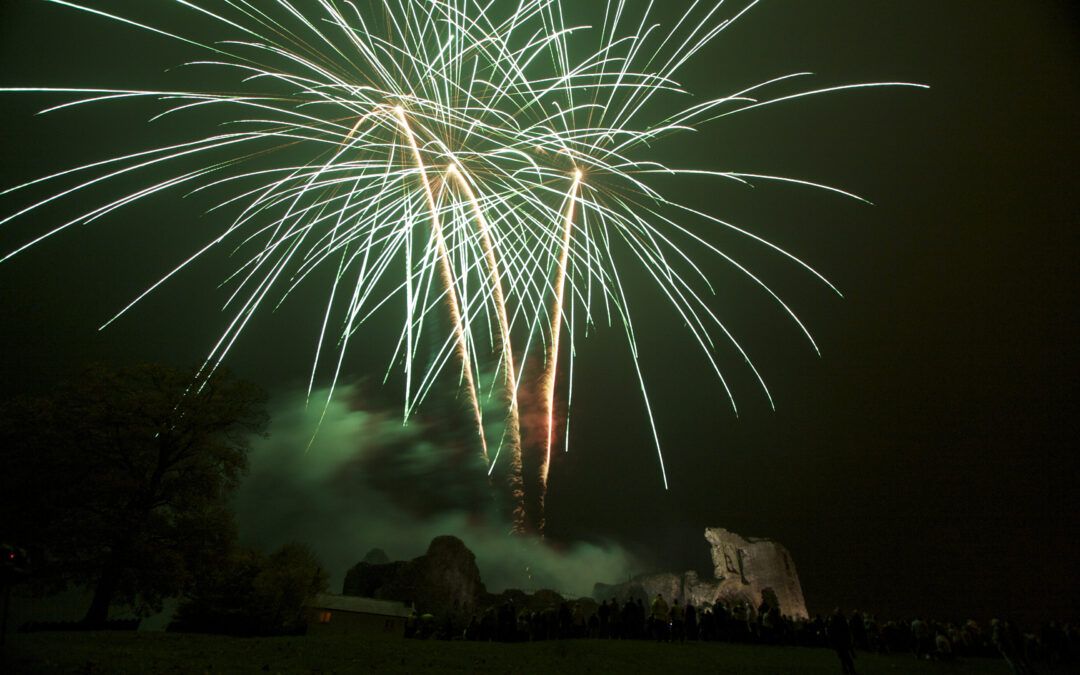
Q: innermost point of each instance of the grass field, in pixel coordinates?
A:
(151, 653)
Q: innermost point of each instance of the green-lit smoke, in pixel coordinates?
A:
(367, 481)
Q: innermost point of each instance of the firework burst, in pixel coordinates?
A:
(486, 165)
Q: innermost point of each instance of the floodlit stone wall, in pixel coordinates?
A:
(743, 568)
(750, 565)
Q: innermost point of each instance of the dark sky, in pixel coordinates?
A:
(923, 464)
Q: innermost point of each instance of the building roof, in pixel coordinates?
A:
(353, 603)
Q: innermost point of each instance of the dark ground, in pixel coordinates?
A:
(149, 653)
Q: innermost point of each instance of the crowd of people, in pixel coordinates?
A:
(741, 622)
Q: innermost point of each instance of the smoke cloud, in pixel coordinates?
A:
(369, 481)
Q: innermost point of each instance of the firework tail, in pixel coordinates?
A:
(448, 280)
(513, 420)
(552, 363)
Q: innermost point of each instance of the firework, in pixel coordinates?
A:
(486, 165)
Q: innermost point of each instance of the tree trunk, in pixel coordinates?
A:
(98, 613)
(105, 590)
(119, 557)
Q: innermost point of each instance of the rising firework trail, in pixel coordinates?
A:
(484, 166)
(552, 361)
(448, 280)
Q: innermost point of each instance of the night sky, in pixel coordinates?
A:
(923, 465)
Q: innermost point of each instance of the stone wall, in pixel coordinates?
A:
(445, 580)
(743, 567)
(754, 565)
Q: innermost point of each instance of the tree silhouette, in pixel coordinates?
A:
(119, 479)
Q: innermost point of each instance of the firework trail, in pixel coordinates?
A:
(448, 280)
(552, 363)
(486, 162)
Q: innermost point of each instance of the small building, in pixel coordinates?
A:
(352, 615)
